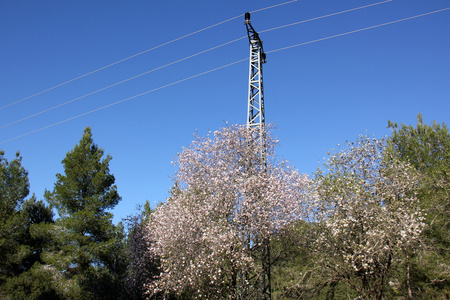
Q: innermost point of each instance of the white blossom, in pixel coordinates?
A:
(368, 213)
(226, 200)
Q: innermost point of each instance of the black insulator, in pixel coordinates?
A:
(247, 16)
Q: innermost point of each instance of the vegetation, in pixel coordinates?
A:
(87, 250)
(427, 149)
(210, 233)
(373, 223)
(368, 216)
(21, 250)
(143, 266)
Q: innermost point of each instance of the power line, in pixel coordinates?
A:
(123, 100)
(221, 67)
(120, 82)
(325, 16)
(268, 7)
(140, 53)
(183, 59)
(358, 30)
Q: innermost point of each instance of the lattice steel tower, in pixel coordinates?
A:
(256, 119)
(255, 113)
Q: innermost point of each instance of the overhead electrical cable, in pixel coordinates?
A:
(221, 67)
(183, 59)
(325, 16)
(123, 100)
(358, 30)
(140, 53)
(120, 82)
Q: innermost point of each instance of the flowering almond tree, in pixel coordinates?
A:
(369, 215)
(223, 205)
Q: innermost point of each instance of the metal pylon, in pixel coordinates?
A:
(256, 120)
(255, 112)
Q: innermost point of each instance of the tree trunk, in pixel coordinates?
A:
(408, 277)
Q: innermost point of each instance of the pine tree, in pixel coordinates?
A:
(14, 187)
(28, 280)
(20, 248)
(88, 249)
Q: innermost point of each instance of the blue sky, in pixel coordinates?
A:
(318, 95)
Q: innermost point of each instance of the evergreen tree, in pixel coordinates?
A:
(29, 279)
(88, 249)
(20, 249)
(14, 187)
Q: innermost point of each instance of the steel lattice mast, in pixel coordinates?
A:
(255, 113)
(256, 120)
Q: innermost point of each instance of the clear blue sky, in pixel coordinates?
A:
(318, 95)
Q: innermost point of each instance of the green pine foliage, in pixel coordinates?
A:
(14, 187)
(87, 251)
(30, 280)
(20, 248)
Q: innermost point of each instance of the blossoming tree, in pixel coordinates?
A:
(209, 233)
(368, 213)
